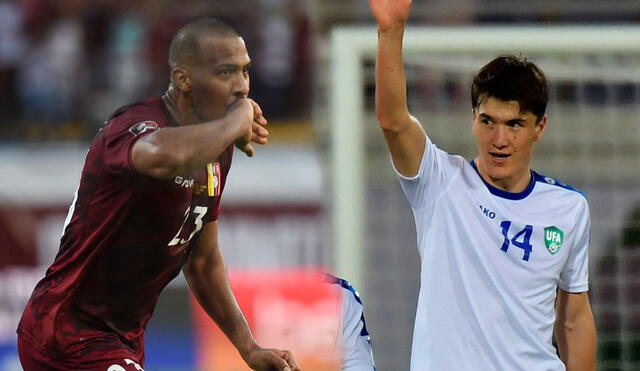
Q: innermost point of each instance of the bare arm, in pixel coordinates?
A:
(403, 133)
(206, 274)
(575, 331)
(176, 150)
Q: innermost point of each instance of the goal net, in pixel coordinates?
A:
(592, 142)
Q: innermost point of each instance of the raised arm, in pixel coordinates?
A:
(403, 133)
(575, 331)
(176, 150)
(206, 274)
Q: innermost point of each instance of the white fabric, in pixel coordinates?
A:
(357, 353)
(479, 307)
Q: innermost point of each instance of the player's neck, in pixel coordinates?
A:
(183, 116)
(515, 183)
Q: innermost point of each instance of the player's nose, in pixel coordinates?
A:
(501, 136)
(241, 85)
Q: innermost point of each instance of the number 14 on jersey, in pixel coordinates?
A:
(520, 239)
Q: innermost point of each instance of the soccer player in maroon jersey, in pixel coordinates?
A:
(147, 207)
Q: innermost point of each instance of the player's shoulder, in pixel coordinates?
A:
(138, 117)
(344, 285)
(558, 188)
(454, 159)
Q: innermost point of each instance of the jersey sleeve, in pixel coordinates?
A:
(121, 133)
(436, 172)
(225, 166)
(214, 211)
(357, 353)
(575, 275)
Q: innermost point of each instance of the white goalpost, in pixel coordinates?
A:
(594, 110)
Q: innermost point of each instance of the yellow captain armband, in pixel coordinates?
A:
(210, 188)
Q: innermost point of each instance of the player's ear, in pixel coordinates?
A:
(540, 128)
(181, 79)
(474, 127)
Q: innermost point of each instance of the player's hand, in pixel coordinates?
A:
(253, 129)
(390, 13)
(272, 359)
(241, 116)
(259, 133)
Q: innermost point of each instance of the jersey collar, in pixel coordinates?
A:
(504, 194)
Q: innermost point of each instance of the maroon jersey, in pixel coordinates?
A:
(127, 235)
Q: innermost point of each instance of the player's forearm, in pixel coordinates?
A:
(209, 283)
(577, 343)
(178, 150)
(391, 84)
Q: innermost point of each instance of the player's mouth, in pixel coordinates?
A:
(231, 103)
(499, 158)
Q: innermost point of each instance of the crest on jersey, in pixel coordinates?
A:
(143, 126)
(213, 179)
(553, 238)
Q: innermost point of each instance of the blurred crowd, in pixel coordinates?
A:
(65, 65)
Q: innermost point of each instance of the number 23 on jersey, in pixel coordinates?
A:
(200, 212)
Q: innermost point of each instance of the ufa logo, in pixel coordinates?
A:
(553, 238)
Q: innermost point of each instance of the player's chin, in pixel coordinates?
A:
(205, 115)
(212, 116)
(498, 173)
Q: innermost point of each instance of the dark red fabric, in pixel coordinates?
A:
(127, 237)
(32, 360)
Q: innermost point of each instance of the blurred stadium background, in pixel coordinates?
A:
(65, 65)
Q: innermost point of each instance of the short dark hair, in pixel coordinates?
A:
(185, 44)
(511, 78)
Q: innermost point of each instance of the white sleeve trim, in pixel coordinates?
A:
(576, 289)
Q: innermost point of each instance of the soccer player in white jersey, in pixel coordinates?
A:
(503, 249)
(353, 337)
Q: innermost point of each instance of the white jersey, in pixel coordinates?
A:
(491, 263)
(356, 350)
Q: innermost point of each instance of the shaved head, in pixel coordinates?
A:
(185, 45)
